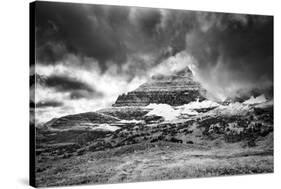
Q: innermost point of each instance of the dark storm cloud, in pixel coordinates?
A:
(106, 33)
(135, 39)
(64, 84)
(76, 88)
(83, 30)
(240, 44)
(233, 51)
(78, 94)
(50, 103)
(147, 20)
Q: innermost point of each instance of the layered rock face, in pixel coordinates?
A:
(174, 90)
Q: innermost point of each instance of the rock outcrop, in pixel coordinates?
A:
(174, 90)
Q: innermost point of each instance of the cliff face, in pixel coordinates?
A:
(174, 90)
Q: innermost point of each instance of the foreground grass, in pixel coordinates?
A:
(158, 161)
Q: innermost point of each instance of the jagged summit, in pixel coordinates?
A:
(176, 89)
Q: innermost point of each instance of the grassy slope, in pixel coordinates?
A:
(157, 161)
(210, 147)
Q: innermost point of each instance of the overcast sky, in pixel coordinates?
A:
(86, 55)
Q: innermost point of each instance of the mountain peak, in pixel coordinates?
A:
(176, 89)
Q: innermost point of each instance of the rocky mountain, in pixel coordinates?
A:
(227, 140)
(177, 89)
(179, 131)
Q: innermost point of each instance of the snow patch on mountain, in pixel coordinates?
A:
(106, 127)
(257, 100)
(131, 121)
(164, 110)
(192, 109)
(199, 105)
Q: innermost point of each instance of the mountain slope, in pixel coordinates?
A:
(83, 119)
